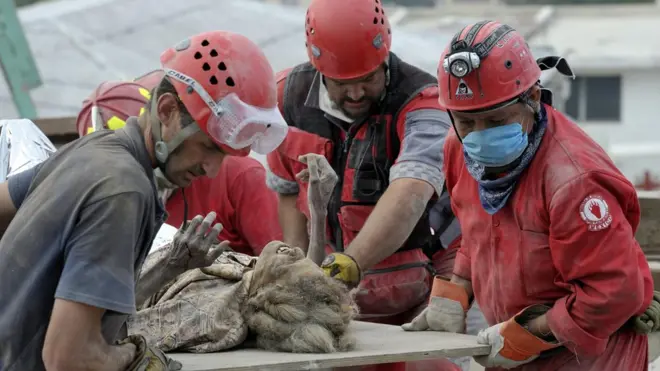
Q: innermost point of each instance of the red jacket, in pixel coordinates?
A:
(565, 238)
(244, 205)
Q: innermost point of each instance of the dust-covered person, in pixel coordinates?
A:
(69, 259)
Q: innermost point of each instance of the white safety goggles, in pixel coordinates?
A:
(236, 123)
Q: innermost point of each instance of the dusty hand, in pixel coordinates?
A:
(343, 268)
(321, 178)
(194, 246)
(511, 344)
(446, 309)
(649, 321)
(148, 358)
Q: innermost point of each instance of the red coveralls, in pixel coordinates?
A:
(566, 239)
(244, 205)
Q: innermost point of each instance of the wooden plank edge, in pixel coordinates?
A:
(355, 360)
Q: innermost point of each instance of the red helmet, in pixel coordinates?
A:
(110, 104)
(228, 87)
(347, 39)
(150, 80)
(485, 65)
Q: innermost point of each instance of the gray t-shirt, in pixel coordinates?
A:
(19, 184)
(82, 232)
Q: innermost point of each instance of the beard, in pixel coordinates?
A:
(355, 113)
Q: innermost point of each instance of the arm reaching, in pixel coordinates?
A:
(414, 178)
(280, 177)
(292, 221)
(195, 245)
(322, 180)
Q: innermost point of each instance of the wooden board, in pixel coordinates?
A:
(376, 344)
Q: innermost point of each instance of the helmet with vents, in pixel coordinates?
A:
(347, 39)
(486, 65)
(110, 104)
(227, 85)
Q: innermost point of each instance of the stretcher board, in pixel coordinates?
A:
(376, 344)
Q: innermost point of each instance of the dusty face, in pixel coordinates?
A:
(196, 156)
(294, 307)
(281, 263)
(466, 122)
(355, 97)
(278, 254)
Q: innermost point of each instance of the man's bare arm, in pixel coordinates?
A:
(391, 222)
(74, 341)
(155, 273)
(195, 245)
(292, 221)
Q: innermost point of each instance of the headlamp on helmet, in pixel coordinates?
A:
(461, 61)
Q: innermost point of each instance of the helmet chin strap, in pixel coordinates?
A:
(162, 149)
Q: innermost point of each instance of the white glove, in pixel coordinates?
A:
(441, 314)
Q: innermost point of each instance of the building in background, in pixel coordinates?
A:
(613, 49)
(615, 52)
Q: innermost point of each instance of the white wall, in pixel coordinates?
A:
(634, 143)
(640, 105)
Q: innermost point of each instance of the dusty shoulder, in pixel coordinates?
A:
(572, 157)
(112, 170)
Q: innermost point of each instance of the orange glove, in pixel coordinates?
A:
(511, 344)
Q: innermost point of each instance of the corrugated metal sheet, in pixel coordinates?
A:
(78, 44)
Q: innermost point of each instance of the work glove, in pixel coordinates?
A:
(194, 246)
(149, 358)
(511, 343)
(343, 268)
(446, 310)
(649, 321)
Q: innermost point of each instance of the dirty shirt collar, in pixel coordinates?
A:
(132, 135)
(319, 98)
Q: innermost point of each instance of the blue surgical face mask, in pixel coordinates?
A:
(497, 146)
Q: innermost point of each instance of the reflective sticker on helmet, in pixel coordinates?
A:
(145, 93)
(316, 51)
(182, 45)
(463, 91)
(116, 123)
(377, 41)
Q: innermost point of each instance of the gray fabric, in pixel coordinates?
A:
(20, 183)
(421, 154)
(81, 234)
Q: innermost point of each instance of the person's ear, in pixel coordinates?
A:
(168, 114)
(535, 94)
